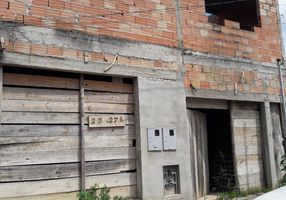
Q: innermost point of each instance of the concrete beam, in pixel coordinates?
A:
(85, 42)
(208, 94)
(268, 145)
(199, 103)
(60, 64)
(191, 57)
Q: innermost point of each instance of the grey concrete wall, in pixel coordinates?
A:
(162, 104)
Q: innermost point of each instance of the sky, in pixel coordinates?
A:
(282, 8)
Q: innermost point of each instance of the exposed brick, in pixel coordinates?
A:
(52, 13)
(41, 2)
(37, 49)
(80, 55)
(9, 46)
(204, 85)
(4, 4)
(157, 28)
(58, 4)
(98, 57)
(37, 11)
(158, 63)
(70, 53)
(17, 7)
(21, 47)
(7, 15)
(78, 8)
(55, 51)
(32, 20)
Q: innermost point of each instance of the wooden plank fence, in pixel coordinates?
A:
(39, 140)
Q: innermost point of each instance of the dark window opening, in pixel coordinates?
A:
(245, 12)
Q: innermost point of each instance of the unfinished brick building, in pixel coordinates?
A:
(157, 99)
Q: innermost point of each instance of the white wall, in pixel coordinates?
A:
(282, 8)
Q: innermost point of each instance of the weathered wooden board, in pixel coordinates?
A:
(66, 170)
(26, 144)
(40, 94)
(245, 106)
(242, 114)
(64, 185)
(125, 191)
(277, 137)
(40, 81)
(106, 121)
(39, 118)
(249, 158)
(253, 179)
(64, 83)
(62, 106)
(62, 130)
(104, 97)
(1, 94)
(249, 140)
(107, 86)
(249, 167)
(63, 156)
(39, 140)
(247, 123)
(49, 118)
(247, 143)
(198, 135)
(251, 132)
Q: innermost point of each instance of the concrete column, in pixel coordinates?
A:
(268, 145)
(161, 103)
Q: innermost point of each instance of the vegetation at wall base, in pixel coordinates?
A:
(235, 194)
(97, 193)
(282, 182)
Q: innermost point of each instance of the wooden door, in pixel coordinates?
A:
(39, 140)
(247, 144)
(198, 141)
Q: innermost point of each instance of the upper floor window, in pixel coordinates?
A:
(245, 12)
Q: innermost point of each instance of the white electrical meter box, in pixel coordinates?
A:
(169, 139)
(154, 139)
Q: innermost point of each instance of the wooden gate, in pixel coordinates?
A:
(246, 128)
(39, 140)
(199, 153)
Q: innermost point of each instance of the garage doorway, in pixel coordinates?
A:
(211, 150)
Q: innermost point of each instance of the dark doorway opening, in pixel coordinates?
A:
(220, 155)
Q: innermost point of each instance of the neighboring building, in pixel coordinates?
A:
(169, 99)
(282, 9)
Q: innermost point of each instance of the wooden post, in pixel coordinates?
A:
(1, 95)
(268, 145)
(82, 148)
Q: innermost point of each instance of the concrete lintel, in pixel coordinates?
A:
(230, 96)
(86, 42)
(268, 145)
(191, 57)
(49, 63)
(199, 103)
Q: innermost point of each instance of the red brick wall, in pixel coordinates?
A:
(152, 21)
(97, 57)
(223, 80)
(142, 20)
(261, 45)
